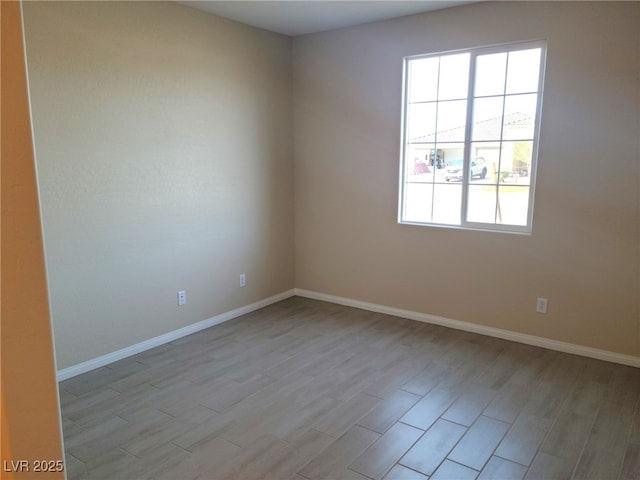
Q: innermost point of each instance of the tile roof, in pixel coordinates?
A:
(483, 130)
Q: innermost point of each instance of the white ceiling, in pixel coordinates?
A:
(299, 17)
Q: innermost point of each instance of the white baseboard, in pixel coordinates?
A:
(103, 360)
(565, 347)
(481, 329)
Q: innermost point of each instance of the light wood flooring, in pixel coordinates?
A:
(310, 390)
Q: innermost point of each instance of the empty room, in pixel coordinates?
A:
(320, 240)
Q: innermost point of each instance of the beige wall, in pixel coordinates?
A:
(164, 153)
(30, 420)
(584, 252)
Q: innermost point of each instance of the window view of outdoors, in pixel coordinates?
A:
(470, 138)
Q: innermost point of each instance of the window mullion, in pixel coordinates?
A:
(402, 178)
(500, 143)
(435, 143)
(466, 170)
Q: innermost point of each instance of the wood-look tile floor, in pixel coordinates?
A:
(310, 390)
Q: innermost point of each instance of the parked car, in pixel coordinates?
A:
(455, 167)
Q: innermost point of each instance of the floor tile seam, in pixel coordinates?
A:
(364, 475)
(483, 414)
(455, 423)
(189, 452)
(419, 394)
(373, 394)
(476, 420)
(355, 424)
(226, 439)
(409, 468)
(118, 448)
(513, 461)
(458, 463)
(176, 416)
(636, 411)
(67, 452)
(537, 448)
(619, 476)
(584, 445)
(493, 452)
(389, 427)
(300, 470)
(546, 436)
(123, 419)
(219, 412)
(628, 427)
(412, 426)
(101, 390)
(173, 437)
(378, 439)
(124, 449)
(123, 391)
(66, 391)
(113, 368)
(544, 439)
(446, 457)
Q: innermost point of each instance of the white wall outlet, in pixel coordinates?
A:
(541, 305)
(243, 279)
(182, 298)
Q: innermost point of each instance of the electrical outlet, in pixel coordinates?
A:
(243, 279)
(182, 298)
(541, 305)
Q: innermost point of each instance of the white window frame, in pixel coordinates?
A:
(474, 52)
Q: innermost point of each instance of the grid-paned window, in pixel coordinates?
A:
(470, 137)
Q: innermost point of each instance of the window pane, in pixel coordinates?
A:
(453, 162)
(481, 206)
(436, 158)
(490, 74)
(423, 79)
(519, 117)
(417, 204)
(523, 71)
(478, 170)
(489, 152)
(417, 163)
(447, 202)
(515, 162)
(513, 205)
(454, 76)
(454, 170)
(421, 121)
(487, 118)
(449, 153)
(452, 121)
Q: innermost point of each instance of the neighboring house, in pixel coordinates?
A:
(515, 156)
